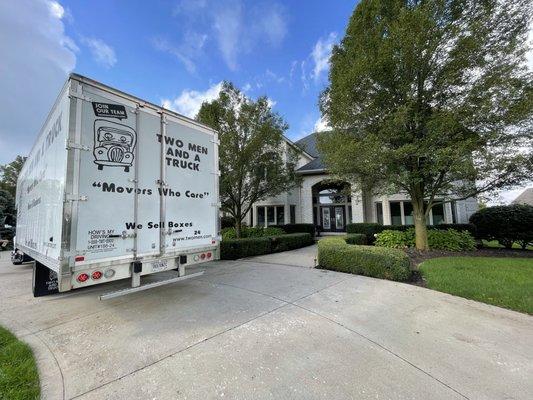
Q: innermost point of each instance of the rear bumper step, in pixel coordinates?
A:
(126, 291)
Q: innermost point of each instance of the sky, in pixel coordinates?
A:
(174, 53)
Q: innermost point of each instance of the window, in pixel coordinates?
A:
(402, 213)
(438, 214)
(379, 212)
(395, 213)
(454, 212)
(293, 214)
(280, 215)
(261, 216)
(408, 213)
(270, 216)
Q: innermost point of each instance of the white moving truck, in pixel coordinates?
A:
(115, 188)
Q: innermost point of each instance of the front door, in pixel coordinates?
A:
(333, 218)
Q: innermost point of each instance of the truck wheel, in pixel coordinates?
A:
(44, 280)
(126, 169)
(100, 167)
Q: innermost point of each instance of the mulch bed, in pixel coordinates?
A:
(418, 257)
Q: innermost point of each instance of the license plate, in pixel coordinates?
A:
(159, 265)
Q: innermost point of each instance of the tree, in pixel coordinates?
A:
(8, 214)
(253, 165)
(432, 98)
(9, 174)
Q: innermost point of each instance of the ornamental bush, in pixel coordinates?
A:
(506, 224)
(370, 229)
(355, 238)
(378, 262)
(247, 232)
(232, 249)
(449, 239)
(297, 228)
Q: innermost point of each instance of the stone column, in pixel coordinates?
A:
(386, 210)
(358, 210)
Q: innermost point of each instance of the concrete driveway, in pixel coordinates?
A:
(254, 330)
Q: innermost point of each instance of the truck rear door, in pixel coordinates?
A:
(108, 134)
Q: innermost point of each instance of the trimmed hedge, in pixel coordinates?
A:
(450, 239)
(290, 241)
(246, 232)
(506, 224)
(232, 249)
(370, 229)
(355, 238)
(297, 228)
(378, 262)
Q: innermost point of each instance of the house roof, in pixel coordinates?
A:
(308, 144)
(526, 197)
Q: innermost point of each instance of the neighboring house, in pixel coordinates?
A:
(322, 201)
(526, 197)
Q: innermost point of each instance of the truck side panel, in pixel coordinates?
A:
(41, 189)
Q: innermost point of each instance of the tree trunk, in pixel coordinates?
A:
(238, 228)
(421, 230)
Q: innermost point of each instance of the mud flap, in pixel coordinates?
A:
(44, 280)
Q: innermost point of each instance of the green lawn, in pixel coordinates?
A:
(19, 379)
(504, 282)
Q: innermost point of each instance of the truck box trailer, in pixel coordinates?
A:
(116, 187)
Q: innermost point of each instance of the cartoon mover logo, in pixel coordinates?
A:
(114, 143)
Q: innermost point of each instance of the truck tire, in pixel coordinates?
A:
(44, 280)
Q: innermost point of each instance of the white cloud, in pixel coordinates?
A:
(37, 56)
(189, 101)
(103, 53)
(321, 125)
(187, 51)
(236, 27)
(271, 103)
(247, 87)
(228, 25)
(56, 9)
(321, 54)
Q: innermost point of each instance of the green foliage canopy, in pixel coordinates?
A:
(431, 97)
(255, 161)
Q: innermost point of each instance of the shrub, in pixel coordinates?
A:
(297, 228)
(246, 232)
(290, 241)
(506, 224)
(355, 238)
(370, 229)
(378, 262)
(458, 227)
(449, 239)
(231, 249)
(392, 239)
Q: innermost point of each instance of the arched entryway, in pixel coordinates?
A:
(331, 206)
